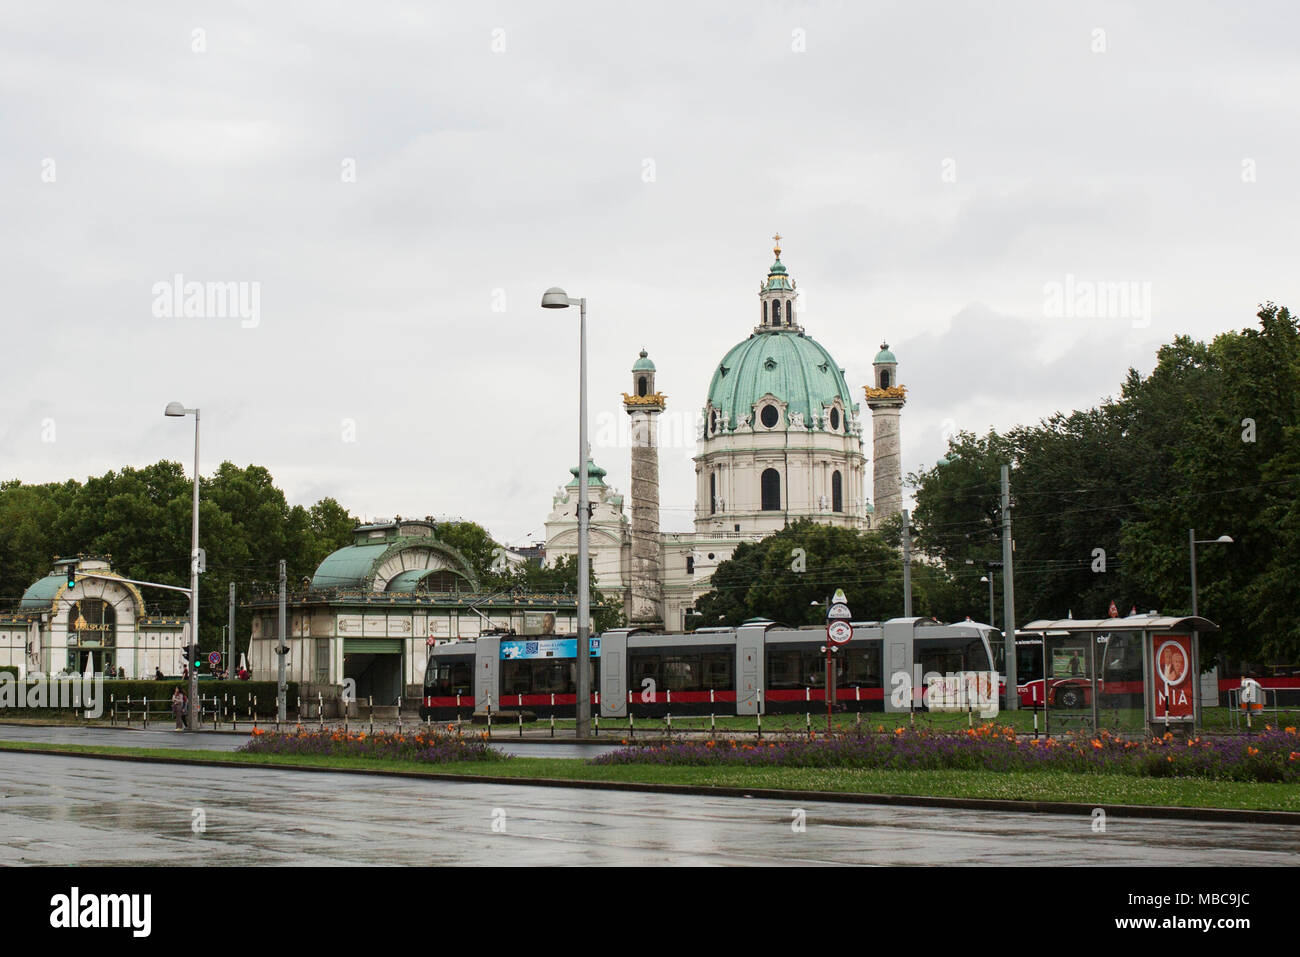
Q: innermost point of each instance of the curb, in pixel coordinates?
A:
(1156, 812)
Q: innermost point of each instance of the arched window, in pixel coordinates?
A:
(776, 312)
(837, 492)
(771, 483)
(690, 564)
(713, 493)
(884, 380)
(640, 387)
(835, 422)
(764, 312)
(713, 422)
(789, 313)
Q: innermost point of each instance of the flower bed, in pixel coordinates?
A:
(429, 747)
(1273, 755)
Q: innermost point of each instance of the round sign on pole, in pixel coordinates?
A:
(839, 632)
(214, 659)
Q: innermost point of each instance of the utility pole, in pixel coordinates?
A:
(907, 565)
(230, 634)
(282, 693)
(1009, 597)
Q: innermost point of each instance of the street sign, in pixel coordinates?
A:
(839, 631)
(214, 659)
(838, 610)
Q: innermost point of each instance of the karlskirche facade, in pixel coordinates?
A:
(781, 439)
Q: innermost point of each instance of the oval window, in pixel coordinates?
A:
(769, 416)
(835, 419)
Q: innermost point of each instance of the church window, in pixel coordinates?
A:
(835, 422)
(771, 485)
(713, 493)
(640, 387)
(713, 422)
(690, 564)
(764, 312)
(884, 380)
(769, 416)
(776, 312)
(789, 313)
(837, 492)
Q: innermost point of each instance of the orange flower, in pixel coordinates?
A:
(1295, 755)
(1290, 730)
(1252, 751)
(1170, 758)
(1096, 743)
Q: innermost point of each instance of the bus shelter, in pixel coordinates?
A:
(1124, 674)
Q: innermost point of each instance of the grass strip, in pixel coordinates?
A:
(1023, 786)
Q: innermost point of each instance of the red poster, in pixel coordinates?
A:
(1172, 677)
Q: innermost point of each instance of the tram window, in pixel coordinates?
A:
(448, 678)
(681, 673)
(517, 677)
(716, 671)
(551, 677)
(641, 667)
(864, 667)
(783, 669)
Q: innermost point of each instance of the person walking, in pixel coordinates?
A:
(178, 709)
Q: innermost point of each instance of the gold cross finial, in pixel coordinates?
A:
(777, 239)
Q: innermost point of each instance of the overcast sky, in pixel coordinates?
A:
(400, 182)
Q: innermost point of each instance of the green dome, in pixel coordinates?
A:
(643, 364)
(884, 355)
(595, 475)
(791, 366)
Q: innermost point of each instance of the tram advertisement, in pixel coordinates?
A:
(1172, 677)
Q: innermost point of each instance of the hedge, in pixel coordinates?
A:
(243, 692)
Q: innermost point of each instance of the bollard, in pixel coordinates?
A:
(146, 712)
(808, 717)
(669, 724)
(371, 699)
(631, 727)
(399, 714)
(320, 710)
(552, 721)
(521, 721)
(595, 726)
(713, 725)
(112, 714)
(214, 713)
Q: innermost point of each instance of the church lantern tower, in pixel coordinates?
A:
(643, 405)
(886, 399)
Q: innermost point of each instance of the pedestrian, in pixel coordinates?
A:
(121, 672)
(178, 709)
(157, 674)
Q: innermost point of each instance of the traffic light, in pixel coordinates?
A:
(72, 574)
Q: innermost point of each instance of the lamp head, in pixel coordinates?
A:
(174, 409)
(1226, 539)
(555, 298)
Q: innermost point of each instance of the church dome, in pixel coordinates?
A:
(789, 365)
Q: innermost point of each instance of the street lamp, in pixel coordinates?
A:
(557, 298)
(989, 579)
(176, 410)
(1192, 542)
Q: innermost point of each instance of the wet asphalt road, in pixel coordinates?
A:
(58, 810)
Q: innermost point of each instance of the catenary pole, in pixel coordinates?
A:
(1009, 597)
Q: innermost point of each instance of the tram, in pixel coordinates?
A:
(760, 667)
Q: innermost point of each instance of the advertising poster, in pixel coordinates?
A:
(1172, 678)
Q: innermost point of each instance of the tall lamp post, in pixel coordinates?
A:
(557, 298)
(989, 578)
(176, 410)
(1192, 542)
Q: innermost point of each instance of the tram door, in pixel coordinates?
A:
(898, 641)
(487, 681)
(613, 691)
(749, 668)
